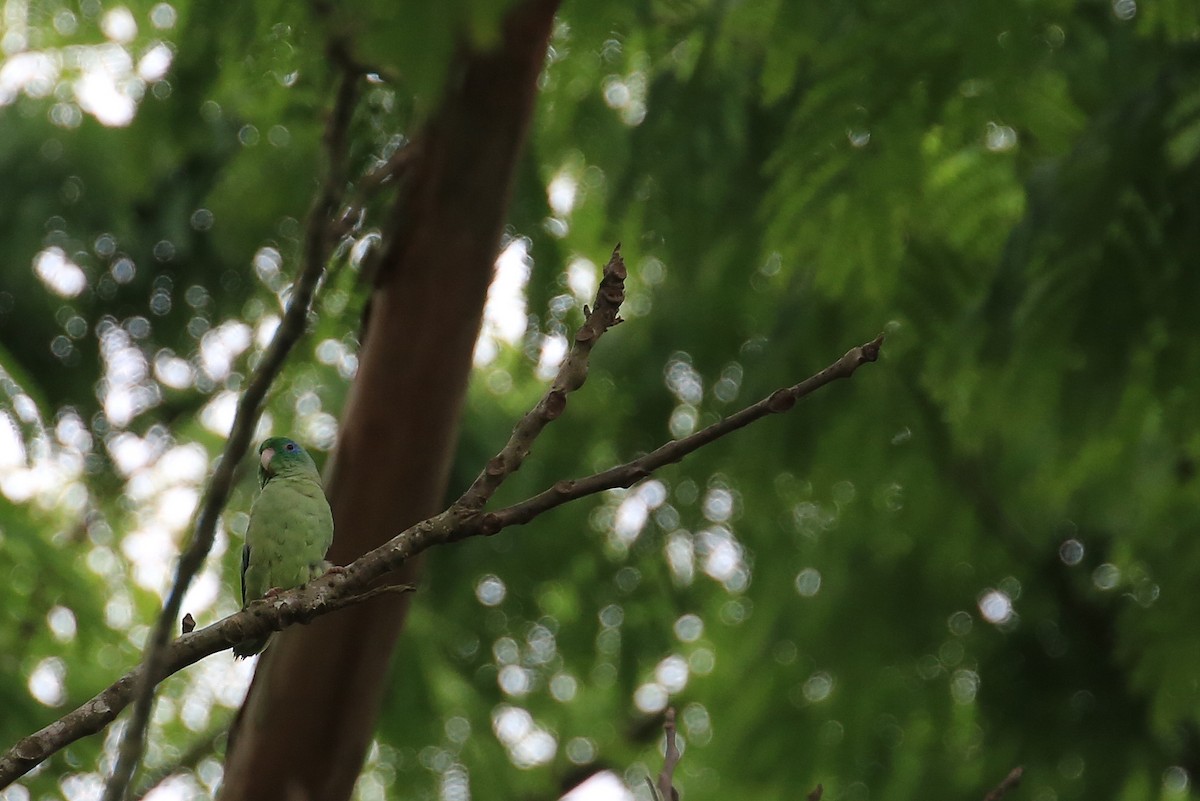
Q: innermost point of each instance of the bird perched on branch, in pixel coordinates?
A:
(290, 528)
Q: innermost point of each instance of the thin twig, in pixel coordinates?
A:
(291, 328)
(395, 166)
(352, 584)
(338, 52)
(571, 375)
(1010, 781)
(201, 748)
(386, 589)
(666, 778)
(350, 216)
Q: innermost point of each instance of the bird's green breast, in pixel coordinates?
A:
(290, 530)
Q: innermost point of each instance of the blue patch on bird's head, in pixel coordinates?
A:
(282, 455)
(280, 445)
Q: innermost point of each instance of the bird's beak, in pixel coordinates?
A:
(265, 459)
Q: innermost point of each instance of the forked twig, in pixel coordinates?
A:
(570, 377)
(666, 777)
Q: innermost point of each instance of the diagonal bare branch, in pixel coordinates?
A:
(203, 747)
(1008, 783)
(325, 595)
(354, 583)
(319, 234)
(630, 473)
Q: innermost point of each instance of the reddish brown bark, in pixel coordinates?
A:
(311, 712)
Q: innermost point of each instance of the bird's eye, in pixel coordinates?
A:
(291, 446)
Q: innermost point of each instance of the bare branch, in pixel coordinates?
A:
(666, 778)
(327, 594)
(630, 473)
(317, 243)
(203, 747)
(384, 172)
(353, 583)
(571, 375)
(352, 213)
(1010, 781)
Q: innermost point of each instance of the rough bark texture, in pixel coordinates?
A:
(311, 712)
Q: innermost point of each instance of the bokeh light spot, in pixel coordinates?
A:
(490, 590)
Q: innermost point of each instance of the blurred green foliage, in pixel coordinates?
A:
(974, 555)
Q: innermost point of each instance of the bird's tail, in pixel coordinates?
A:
(248, 648)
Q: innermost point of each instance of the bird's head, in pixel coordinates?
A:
(281, 456)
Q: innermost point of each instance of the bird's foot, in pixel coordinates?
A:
(334, 570)
(271, 593)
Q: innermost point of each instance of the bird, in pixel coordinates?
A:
(291, 528)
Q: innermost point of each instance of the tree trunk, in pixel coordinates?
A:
(310, 714)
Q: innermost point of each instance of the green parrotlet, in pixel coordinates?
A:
(290, 528)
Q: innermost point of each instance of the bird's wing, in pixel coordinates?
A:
(245, 564)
